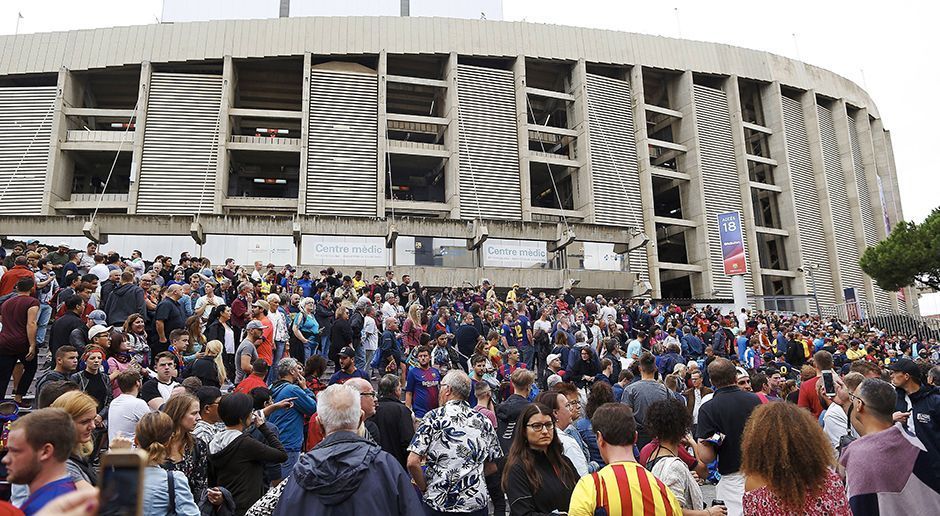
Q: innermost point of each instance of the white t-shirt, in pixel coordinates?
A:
(834, 424)
(101, 270)
(545, 326)
(370, 334)
(123, 414)
(204, 300)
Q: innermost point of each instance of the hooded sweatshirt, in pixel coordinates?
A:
(124, 300)
(236, 462)
(346, 474)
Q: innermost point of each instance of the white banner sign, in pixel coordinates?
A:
(339, 250)
(601, 257)
(514, 253)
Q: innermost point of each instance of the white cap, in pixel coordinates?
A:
(553, 356)
(98, 329)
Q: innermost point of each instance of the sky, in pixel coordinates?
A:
(888, 48)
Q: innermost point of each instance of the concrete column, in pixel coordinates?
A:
(381, 162)
(229, 79)
(580, 121)
(59, 166)
(304, 137)
(730, 87)
(452, 138)
(891, 185)
(841, 121)
(646, 180)
(771, 101)
(811, 116)
(683, 97)
(140, 125)
(522, 118)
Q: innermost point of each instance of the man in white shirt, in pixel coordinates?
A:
(127, 409)
(157, 390)
(100, 269)
(207, 303)
(370, 336)
(388, 308)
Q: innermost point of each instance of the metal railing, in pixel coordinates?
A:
(885, 318)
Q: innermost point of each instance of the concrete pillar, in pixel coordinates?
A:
(304, 136)
(841, 121)
(771, 101)
(522, 118)
(140, 125)
(381, 162)
(730, 87)
(452, 138)
(59, 166)
(229, 80)
(811, 116)
(683, 98)
(580, 121)
(646, 180)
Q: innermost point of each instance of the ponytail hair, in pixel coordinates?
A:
(152, 432)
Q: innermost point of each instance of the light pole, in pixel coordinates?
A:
(810, 269)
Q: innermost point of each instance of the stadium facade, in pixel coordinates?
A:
(543, 155)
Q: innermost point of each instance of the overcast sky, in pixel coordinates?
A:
(889, 48)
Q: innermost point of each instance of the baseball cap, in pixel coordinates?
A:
(99, 317)
(905, 365)
(347, 352)
(32, 241)
(96, 330)
(741, 373)
(64, 244)
(554, 380)
(255, 325)
(553, 356)
(261, 304)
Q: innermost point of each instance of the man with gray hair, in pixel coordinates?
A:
(394, 421)
(291, 387)
(367, 402)
(451, 427)
(346, 474)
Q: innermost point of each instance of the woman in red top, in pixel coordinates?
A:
(780, 440)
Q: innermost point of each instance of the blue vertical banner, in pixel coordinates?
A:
(731, 235)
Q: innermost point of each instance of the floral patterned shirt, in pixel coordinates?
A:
(456, 442)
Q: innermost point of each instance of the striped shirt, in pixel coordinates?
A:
(625, 488)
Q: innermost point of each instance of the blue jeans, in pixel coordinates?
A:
(45, 313)
(528, 356)
(325, 346)
(288, 466)
(278, 355)
(361, 358)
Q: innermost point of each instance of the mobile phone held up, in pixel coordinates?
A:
(829, 383)
(122, 483)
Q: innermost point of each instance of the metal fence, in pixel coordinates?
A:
(885, 318)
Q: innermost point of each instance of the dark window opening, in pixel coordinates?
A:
(110, 88)
(760, 172)
(264, 174)
(417, 65)
(667, 198)
(671, 244)
(709, 81)
(210, 67)
(665, 158)
(751, 108)
(415, 132)
(777, 286)
(415, 178)
(266, 127)
(661, 127)
(414, 99)
(656, 88)
(548, 75)
(766, 210)
(756, 143)
(547, 111)
(677, 288)
(551, 143)
(548, 184)
(771, 251)
(92, 169)
(487, 62)
(270, 84)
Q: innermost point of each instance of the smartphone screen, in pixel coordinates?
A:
(120, 490)
(6, 491)
(829, 383)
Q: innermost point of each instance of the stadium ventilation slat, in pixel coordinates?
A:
(24, 115)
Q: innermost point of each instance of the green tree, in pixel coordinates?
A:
(909, 256)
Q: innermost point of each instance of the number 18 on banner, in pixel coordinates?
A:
(731, 235)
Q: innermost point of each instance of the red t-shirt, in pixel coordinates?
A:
(650, 447)
(15, 315)
(250, 382)
(809, 399)
(12, 276)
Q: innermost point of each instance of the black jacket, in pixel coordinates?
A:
(62, 328)
(552, 495)
(396, 427)
(925, 412)
(205, 369)
(123, 301)
(236, 462)
(341, 335)
(215, 331)
(507, 413)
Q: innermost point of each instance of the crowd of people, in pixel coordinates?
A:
(262, 390)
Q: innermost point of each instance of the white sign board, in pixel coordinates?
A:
(601, 257)
(514, 253)
(341, 250)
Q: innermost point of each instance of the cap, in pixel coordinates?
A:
(741, 373)
(96, 330)
(255, 325)
(905, 365)
(262, 304)
(347, 352)
(554, 380)
(64, 244)
(98, 316)
(32, 241)
(553, 356)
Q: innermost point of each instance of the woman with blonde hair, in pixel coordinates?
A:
(304, 330)
(151, 432)
(209, 368)
(83, 409)
(780, 439)
(412, 328)
(183, 452)
(197, 341)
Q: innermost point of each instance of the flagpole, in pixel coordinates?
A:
(19, 16)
